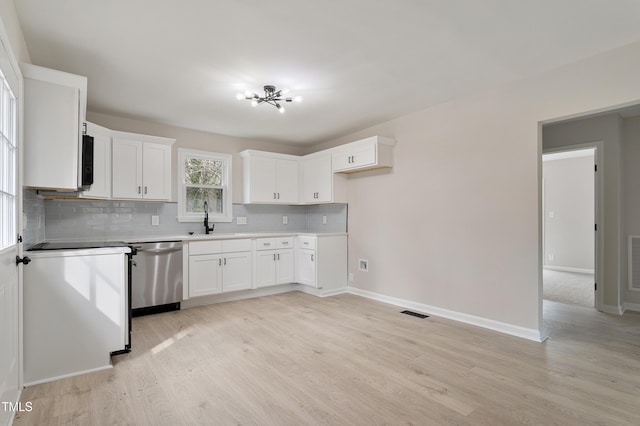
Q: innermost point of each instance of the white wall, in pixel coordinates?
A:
(608, 129)
(456, 223)
(569, 213)
(631, 198)
(12, 27)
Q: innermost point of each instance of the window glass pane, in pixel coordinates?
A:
(202, 171)
(197, 196)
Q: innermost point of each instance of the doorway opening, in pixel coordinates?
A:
(569, 225)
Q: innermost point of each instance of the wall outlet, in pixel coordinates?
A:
(241, 220)
(324, 220)
(155, 220)
(363, 265)
(285, 220)
(551, 256)
(350, 277)
(552, 215)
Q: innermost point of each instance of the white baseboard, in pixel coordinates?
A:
(632, 307)
(64, 376)
(568, 269)
(320, 292)
(237, 295)
(514, 330)
(611, 309)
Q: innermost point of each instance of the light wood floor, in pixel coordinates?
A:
(294, 359)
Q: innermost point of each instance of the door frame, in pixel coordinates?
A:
(12, 62)
(598, 196)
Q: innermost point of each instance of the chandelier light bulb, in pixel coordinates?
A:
(240, 96)
(280, 108)
(254, 103)
(298, 99)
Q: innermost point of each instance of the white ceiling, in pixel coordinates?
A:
(355, 62)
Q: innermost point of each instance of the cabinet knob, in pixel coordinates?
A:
(145, 189)
(274, 195)
(139, 189)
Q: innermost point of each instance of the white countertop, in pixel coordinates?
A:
(199, 237)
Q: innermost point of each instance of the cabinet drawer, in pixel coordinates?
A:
(205, 247)
(284, 242)
(229, 246)
(266, 243)
(306, 242)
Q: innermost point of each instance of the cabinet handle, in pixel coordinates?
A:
(139, 189)
(274, 257)
(274, 195)
(219, 262)
(267, 244)
(145, 189)
(306, 243)
(285, 243)
(278, 256)
(312, 258)
(225, 260)
(278, 195)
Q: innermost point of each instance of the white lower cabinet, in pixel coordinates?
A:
(274, 261)
(321, 261)
(205, 274)
(236, 273)
(219, 266)
(306, 267)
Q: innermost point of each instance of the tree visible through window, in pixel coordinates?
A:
(204, 177)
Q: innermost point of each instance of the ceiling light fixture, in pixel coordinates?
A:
(271, 97)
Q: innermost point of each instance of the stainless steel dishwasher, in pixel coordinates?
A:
(156, 284)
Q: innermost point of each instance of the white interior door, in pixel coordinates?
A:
(10, 205)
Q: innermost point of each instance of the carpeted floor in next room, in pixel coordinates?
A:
(568, 287)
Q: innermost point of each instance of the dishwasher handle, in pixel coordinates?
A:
(159, 250)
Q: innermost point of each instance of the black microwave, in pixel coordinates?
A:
(86, 170)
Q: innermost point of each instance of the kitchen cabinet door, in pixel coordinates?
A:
(270, 178)
(287, 177)
(265, 268)
(367, 154)
(263, 184)
(236, 271)
(101, 187)
(127, 168)
(317, 179)
(306, 267)
(156, 171)
(285, 272)
(51, 135)
(205, 274)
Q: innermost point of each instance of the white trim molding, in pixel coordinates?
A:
(568, 269)
(514, 330)
(631, 307)
(611, 309)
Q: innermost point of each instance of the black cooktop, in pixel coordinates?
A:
(77, 245)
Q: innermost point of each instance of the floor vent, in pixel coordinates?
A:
(414, 314)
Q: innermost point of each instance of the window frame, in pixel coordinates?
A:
(9, 164)
(183, 215)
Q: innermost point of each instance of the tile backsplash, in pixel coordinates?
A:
(75, 219)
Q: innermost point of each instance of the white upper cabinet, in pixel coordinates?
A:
(141, 167)
(101, 187)
(269, 178)
(318, 184)
(54, 110)
(367, 154)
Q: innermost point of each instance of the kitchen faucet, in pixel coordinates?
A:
(207, 229)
